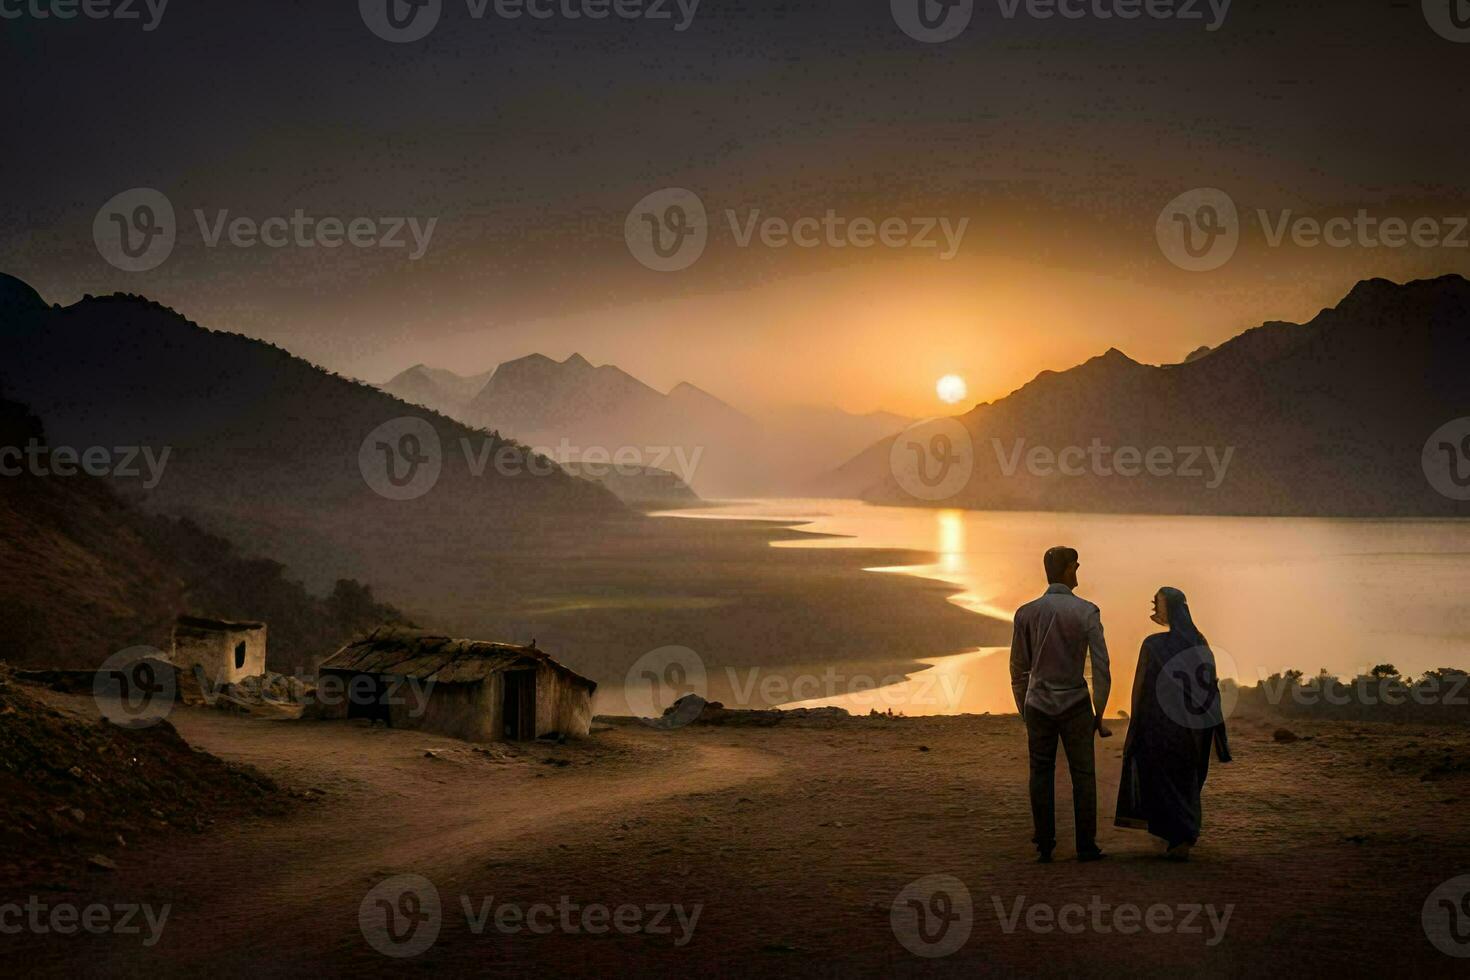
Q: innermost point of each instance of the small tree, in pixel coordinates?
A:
(1382, 671)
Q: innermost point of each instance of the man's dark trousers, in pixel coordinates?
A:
(1074, 728)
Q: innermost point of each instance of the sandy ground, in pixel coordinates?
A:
(794, 843)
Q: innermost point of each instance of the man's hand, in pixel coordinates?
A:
(1103, 731)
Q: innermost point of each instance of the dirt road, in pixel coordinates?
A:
(789, 848)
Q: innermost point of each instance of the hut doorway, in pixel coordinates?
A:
(240, 655)
(518, 706)
(369, 700)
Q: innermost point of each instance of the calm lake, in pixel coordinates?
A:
(1271, 593)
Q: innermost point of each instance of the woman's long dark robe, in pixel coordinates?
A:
(1165, 762)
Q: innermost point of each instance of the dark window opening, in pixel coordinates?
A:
(240, 655)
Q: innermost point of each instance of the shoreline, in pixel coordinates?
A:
(937, 685)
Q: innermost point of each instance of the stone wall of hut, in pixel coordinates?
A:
(562, 704)
(473, 712)
(467, 711)
(214, 652)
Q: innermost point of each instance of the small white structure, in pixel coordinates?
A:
(226, 651)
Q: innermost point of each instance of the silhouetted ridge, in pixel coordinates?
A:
(18, 298)
(1328, 417)
(269, 449)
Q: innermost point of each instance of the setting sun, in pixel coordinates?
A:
(951, 389)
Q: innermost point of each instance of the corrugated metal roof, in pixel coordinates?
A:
(444, 659)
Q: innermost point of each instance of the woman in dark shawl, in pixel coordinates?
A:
(1177, 718)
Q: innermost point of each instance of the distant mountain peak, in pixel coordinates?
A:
(1375, 284)
(1377, 293)
(686, 390)
(1322, 418)
(17, 296)
(440, 389)
(1111, 359)
(696, 397)
(577, 361)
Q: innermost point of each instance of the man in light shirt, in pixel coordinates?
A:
(1054, 635)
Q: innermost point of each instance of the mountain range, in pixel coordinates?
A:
(436, 388)
(273, 453)
(571, 408)
(1329, 417)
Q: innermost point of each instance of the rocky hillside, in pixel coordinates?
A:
(80, 793)
(286, 459)
(85, 574)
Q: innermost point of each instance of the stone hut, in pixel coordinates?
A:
(226, 651)
(469, 689)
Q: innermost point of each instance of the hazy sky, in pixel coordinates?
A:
(1058, 140)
